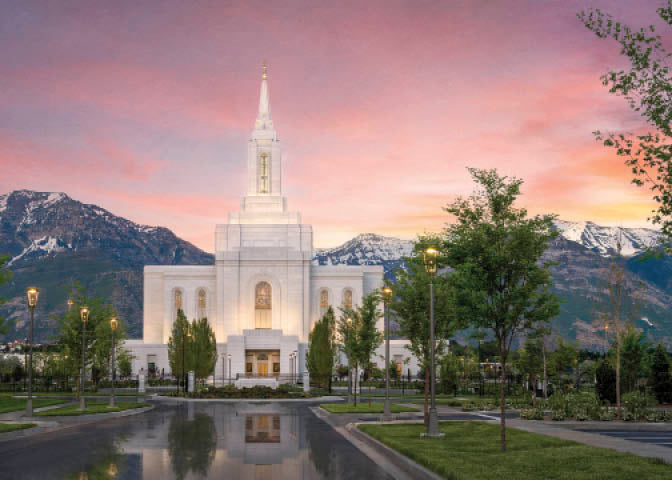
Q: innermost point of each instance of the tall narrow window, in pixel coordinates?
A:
(202, 304)
(262, 305)
(347, 298)
(324, 302)
(177, 302)
(263, 173)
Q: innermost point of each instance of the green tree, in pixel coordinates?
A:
(202, 350)
(102, 352)
(620, 305)
(124, 363)
(646, 86)
(495, 251)
(661, 379)
(563, 363)
(410, 306)
(357, 327)
(530, 363)
(179, 346)
(348, 326)
(70, 331)
(450, 365)
(633, 357)
(5, 276)
(321, 354)
(606, 382)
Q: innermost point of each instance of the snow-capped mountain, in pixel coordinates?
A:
(365, 249)
(373, 249)
(605, 240)
(41, 224)
(54, 240)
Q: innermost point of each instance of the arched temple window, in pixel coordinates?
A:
(262, 305)
(202, 304)
(177, 302)
(347, 298)
(324, 302)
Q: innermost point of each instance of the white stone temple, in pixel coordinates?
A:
(263, 294)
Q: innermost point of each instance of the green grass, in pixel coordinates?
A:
(10, 404)
(91, 408)
(364, 408)
(10, 427)
(471, 450)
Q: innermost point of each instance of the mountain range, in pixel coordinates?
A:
(56, 239)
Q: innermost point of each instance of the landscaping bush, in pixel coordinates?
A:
(230, 391)
(638, 405)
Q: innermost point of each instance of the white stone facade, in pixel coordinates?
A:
(263, 294)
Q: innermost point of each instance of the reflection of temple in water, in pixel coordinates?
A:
(262, 429)
(253, 442)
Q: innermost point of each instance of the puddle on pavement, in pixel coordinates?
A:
(242, 441)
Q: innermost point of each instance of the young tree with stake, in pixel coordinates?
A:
(495, 252)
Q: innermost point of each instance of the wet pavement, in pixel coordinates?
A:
(192, 441)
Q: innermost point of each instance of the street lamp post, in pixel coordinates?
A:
(184, 366)
(353, 374)
(291, 367)
(295, 367)
(430, 256)
(113, 327)
(32, 293)
(228, 356)
(84, 314)
(387, 296)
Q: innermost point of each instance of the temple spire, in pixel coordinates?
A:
(264, 121)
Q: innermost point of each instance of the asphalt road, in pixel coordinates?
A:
(657, 437)
(192, 440)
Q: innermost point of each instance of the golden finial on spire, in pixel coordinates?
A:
(265, 74)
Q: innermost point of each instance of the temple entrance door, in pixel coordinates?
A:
(262, 369)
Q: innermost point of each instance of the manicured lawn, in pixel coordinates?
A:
(10, 427)
(470, 450)
(91, 408)
(10, 404)
(376, 407)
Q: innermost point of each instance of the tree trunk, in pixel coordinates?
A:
(543, 353)
(618, 372)
(427, 381)
(533, 381)
(502, 392)
(355, 383)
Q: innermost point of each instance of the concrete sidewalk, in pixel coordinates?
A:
(558, 430)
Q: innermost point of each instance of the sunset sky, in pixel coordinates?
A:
(145, 108)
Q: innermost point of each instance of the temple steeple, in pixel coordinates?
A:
(264, 121)
(264, 202)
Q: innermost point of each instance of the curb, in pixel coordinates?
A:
(394, 463)
(48, 426)
(414, 469)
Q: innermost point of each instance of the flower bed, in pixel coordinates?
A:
(581, 407)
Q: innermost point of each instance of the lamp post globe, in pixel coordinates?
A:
(113, 328)
(430, 260)
(387, 296)
(32, 294)
(84, 315)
